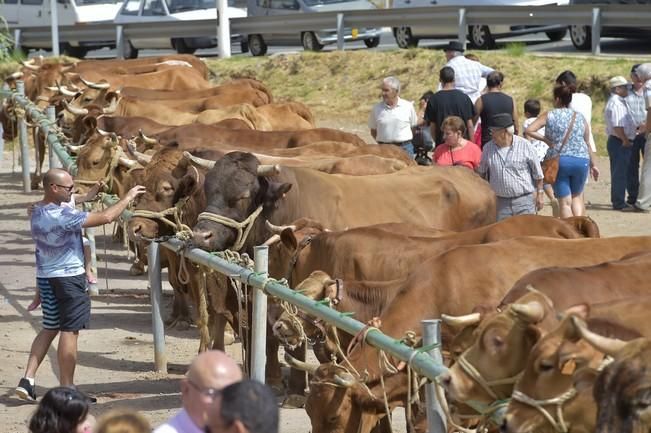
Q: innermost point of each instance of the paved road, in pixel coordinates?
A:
(537, 43)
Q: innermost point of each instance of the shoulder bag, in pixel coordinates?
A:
(550, 163)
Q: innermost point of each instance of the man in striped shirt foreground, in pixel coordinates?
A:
(509, 163)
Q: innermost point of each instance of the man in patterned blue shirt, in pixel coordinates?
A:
(56, 230)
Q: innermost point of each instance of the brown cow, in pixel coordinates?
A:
(555, 287)
(426, 294)
(229, 86)
(178, 78)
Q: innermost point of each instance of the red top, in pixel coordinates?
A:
(468, 156)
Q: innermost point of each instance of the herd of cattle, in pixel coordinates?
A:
(537, 310)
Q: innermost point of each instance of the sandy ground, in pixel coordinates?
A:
(116, 356)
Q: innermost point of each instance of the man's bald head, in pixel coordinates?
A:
(214, 369)
(54, 175)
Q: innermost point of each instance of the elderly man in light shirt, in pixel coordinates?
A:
(643, 202)
(391, 121)
(209, 373)
(467, 73)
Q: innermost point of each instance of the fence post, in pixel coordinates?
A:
(24, 143)
(54, 24)
(119, 42)
(223, 30)
(435, 416)
(596, 31)
(52, 157)
(156, 290)
(17, 35)
(340, 31)
(463, 27)
(259, 322)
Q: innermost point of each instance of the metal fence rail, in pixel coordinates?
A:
(585, 15)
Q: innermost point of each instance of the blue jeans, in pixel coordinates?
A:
(620, 158)
(633, 184)
(408, 147)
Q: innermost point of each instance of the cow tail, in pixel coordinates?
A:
(202, 304)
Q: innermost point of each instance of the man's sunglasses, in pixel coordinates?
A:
(67, 188)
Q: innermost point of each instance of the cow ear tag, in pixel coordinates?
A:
(569, 367)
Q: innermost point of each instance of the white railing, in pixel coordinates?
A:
(586, 15)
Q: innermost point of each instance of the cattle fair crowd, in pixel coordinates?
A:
(545, 331)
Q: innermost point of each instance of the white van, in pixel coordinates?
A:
(37, 13)
(482, 37)
(311, 41)
(144, 11)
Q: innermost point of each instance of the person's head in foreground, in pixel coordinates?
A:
(123, 421)
(245, 407)
(61, 410)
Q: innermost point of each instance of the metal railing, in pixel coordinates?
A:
(425, 363)
(435, 16)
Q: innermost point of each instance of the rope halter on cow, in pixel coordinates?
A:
(243, 228)
(116, 153)
(182, 231)
(559, 425)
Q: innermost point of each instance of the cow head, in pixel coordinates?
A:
(101, 158)
(488, 369)
(236, 188)
(170, 181)
(549, 378)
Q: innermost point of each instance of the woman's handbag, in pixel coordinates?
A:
(550, 164)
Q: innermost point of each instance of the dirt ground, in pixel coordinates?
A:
(116, 355)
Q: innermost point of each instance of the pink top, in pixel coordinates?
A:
(468, 156)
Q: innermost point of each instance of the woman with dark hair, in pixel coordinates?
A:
(580, 101)
(456, 150)
(493, 102)
(566, 132)
(62, 410)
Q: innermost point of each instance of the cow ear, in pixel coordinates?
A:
(288, 238)
(89, 123)
(189, 183)
(275, 191)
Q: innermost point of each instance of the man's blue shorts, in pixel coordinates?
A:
(572, 174)
(49, 304)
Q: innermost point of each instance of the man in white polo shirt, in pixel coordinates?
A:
(643, 202)
(391, 121)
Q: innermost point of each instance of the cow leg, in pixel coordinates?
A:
(180, 317)
(296, 383)
(39, 151)
(383, 426)
(273, 374)
(138, 266)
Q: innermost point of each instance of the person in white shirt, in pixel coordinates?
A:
(620, 128)
(209, 373)
(581, 103)
(391, 121)
(467, 73)
(643, 202)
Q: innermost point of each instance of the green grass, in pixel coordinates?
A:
(516, 49)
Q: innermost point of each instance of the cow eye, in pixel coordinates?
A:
(95, 162)
(333, 419)
(546, 366)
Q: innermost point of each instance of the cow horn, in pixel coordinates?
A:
(205, 163)
(74, 109)
(142, 158)
(75, 149)
(268, 170)
(16, 75)
(278, 229)
(98, 86)
(146, 139)
(112, 108)
(344, 379)
(300, 365)
(609, 346)
(130, 163)
(28, 65)
(531, 312)
(64, 90)
(272, 240)
(461, 321)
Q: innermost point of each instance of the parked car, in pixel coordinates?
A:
(37, 13)
(582, 35)
(144, 11)
(479, 36)
(311, 41)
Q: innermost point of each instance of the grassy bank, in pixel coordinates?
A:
(344, 85)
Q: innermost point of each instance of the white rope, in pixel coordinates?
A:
(243, 228)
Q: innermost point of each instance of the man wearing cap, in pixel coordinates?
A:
(636, 102)
(468, 73)
(643, 202)
(620, 129)
(391, 121)
(509, 163)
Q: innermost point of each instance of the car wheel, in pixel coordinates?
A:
(257, 45)
(310, 42)
(480, 37)
(182, 47)
(372, 43)
(581, 37)
(404, 38)
(557, 35)
(69, 50)
(129, 52)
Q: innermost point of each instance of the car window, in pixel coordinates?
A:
(131, 7)
(153, 8)
(284, 4)
(189, 5)
(10, 2)
(31, 2)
